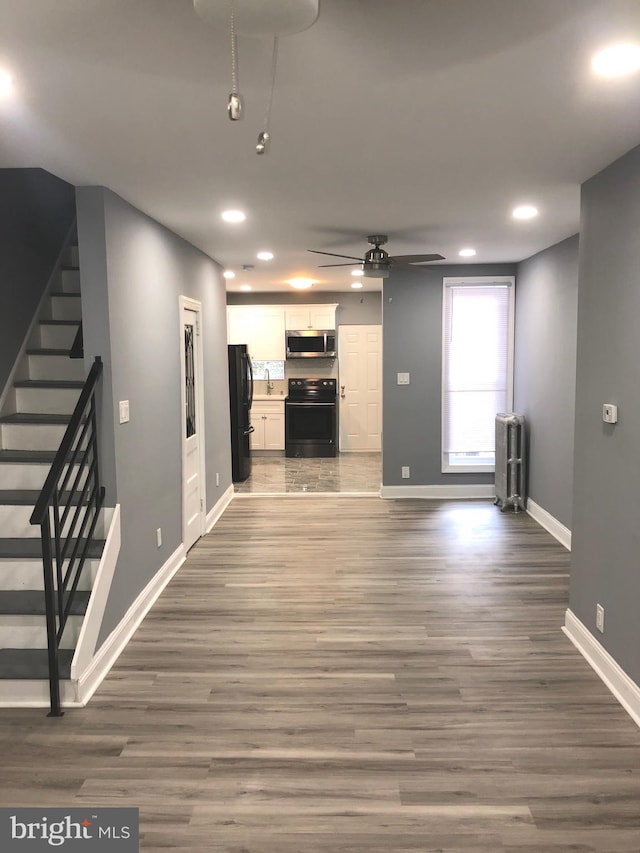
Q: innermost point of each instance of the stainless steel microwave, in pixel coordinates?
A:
(311, 343)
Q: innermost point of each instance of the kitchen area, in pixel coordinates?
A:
(287, 398)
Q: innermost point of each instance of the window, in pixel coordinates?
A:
(275, 368)
(477, 369)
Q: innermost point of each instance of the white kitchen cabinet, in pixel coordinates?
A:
(261, 327)
(311, 317)
(267, 420)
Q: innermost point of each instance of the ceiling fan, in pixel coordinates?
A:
(376, 262)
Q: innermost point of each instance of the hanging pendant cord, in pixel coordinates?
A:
(234, 51)
(274, 61)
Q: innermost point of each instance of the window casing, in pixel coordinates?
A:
(477, 368)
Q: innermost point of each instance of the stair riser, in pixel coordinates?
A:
(32, 436)
(32, 694)
(55, 367)
(57, 337)
(28, 574)
(66, 308)
(72, 257)
(14, 522)
(30, 632)
(47, 401)
(70, 281)
(14, 475)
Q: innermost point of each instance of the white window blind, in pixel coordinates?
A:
(477, 370)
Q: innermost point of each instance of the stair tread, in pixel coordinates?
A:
(30, 602)
(34, 457)
(59, 322)
(30, 548)
(49, 351)
(66, 293)
(70, 267)
(48, 383)
(35, 418)
(32, 663)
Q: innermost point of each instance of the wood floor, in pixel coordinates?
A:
(337, 675)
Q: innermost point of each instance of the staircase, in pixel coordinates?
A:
(32, 424)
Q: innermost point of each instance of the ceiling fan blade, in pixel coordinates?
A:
(334, 265)
(333, 255)
(416, 259)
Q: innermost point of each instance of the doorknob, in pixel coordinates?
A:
(342, 394)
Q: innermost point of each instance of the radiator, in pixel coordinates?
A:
(510, 461)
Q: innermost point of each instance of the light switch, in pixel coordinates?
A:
(610, 413)
(403, 379)
(124, 411)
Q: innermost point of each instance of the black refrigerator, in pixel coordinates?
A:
(240, 399)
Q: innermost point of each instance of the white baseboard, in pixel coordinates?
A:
(452, 492)
(92, 623)
(626, 691)
(551, 524)
(218, 508)
(116, 642)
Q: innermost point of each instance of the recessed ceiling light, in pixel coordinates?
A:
(265, 256)
(467, 253)
(301, 283)
(616, 60)
(356, 285)
(245, 287)
(233, 216)
(525, 211)
(6, 84)
(357, 272)
(229, 274)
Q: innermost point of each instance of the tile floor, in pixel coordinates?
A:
(356, 473)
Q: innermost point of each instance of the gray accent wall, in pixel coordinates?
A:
(606, 503)
(36, 213)
(356, 308)
(133, 271)
(412, 343)
(545, 372)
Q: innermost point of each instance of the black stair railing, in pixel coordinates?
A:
(67, 512)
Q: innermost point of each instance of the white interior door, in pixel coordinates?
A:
(360, 359)
(193, 474)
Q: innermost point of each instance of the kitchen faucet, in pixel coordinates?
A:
(269, 382)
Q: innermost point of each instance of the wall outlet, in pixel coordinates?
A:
(124, 411)
(610, 413)
(403, 378)
(159, 536)
(600, 618)
(217, 478)
(406, 472)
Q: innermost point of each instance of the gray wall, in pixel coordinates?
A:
(36, 213)
(545, 371)
(133, 270)
(412, 342)
(354, 308)
(606, 508)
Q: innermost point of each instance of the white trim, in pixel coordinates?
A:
(218, 508)
(4, 393)
(188, 304)
(114, 645)
(437, 492)
(551, 524)
(86, 645)
(611, 673)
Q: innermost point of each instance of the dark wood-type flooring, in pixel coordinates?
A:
(353, 675)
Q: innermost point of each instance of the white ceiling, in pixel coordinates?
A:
(426, 120)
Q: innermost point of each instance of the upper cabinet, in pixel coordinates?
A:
(261, 327)
(311, 317)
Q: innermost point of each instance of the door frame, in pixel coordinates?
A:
(185, 302)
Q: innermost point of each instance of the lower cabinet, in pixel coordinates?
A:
(267, 420)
